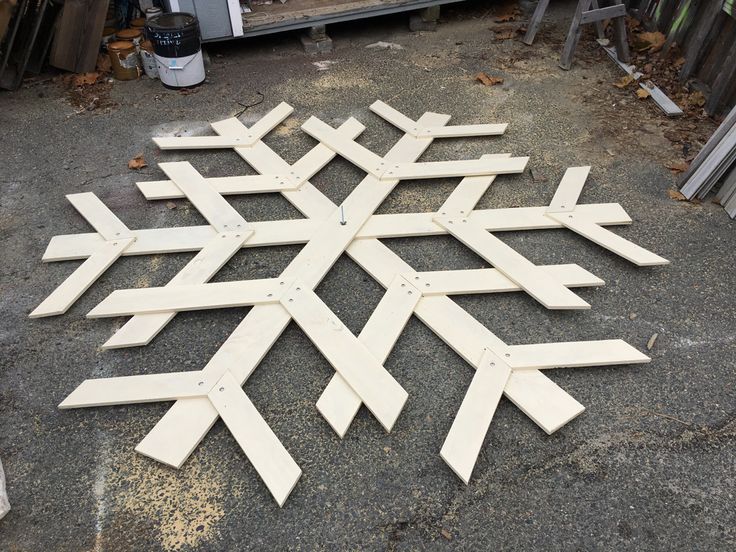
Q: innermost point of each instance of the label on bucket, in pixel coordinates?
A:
(129, 62)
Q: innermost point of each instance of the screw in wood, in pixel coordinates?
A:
(343, 222)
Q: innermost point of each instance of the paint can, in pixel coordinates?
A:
(148, 60)
(108, 35)
(133, 35)
(178, 49)
(153, 12)
(126, 65)
(138, 23)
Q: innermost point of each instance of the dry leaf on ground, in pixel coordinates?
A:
(697, 99)
(649, 41)
(625, 81)
(504, 34)
(85, 79)
(643, 93)
(677, 167)
(137, 163)
(676, 195)
(487, 80)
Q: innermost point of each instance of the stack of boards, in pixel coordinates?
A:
(715, 163)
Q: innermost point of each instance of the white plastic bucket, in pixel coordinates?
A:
(181, 72)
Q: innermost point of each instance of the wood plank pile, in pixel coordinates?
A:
(328, 231)
(716, 163)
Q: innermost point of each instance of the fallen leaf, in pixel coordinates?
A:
(678, 167)
(633, 316)
(85, 79)
(649, 41)
(676, 195)
(696, 98)
(170, 205)
(679, 62)
(137, 163)
(504, 34)
(651, 341)
(487, 80)
(643, 93)
(446, 534)
(625, 81)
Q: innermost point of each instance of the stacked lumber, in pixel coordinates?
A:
(715, 163)
(78, 35)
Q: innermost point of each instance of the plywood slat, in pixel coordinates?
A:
(605, 238)
(269, 457)
(516, 267)
(465, 439)
(380, 392)
(99, 216)
(568, 192)
(218, 212)
(142, 328)
(444, 169)
(490, 280)
(338, 403)
(81, 279)
(177, 298)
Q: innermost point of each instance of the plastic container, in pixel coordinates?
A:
(178, 49)
(126, 65)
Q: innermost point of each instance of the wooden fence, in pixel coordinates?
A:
(705, 30)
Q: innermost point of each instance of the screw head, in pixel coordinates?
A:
(222, 389)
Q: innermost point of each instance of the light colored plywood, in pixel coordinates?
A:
(81, 279)
(401, 121)
(251, 135)
(99, 216)
(465, 439)
(219, 295)
(463, 198)
(459, 131)
(180, 240)
(350, 150)
(568, 192)
(445, 169)
(531, 278)
(269, 457)
(493, 220)
(380, 392)
(538, 397)
(490, 280)
(218, 212)
(224, 185)
(139, 389)
(571, 354)
(546, 403)
(181, 429)
(338, 403)
(141, 329)
(176, 435)
(605, 238)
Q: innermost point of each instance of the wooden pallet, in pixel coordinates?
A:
(328, 231)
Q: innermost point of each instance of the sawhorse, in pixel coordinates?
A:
(586, 12)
